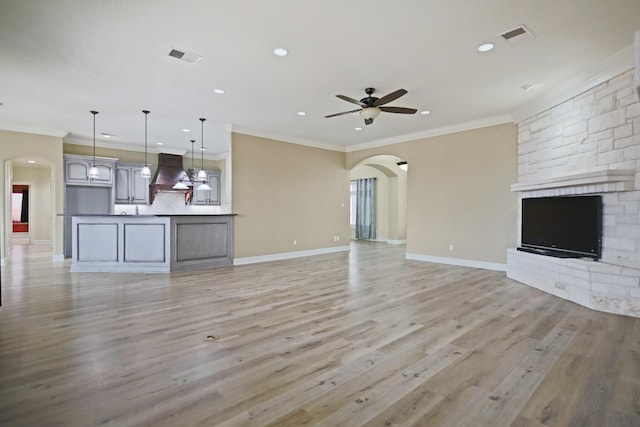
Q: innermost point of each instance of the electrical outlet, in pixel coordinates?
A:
(295, 242)
(336, 238)
(451, 247)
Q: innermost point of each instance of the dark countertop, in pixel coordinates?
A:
(199, 214)
(152, 215)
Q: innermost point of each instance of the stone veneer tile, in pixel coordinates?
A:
(632, 152)
(607, 121)
(627, 141)
(613, 304)
(623, 131)
(606, 289)
(633, 110)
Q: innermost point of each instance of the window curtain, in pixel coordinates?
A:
(365, 208)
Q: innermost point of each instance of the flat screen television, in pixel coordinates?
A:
(564, 226)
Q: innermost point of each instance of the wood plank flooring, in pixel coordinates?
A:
(365, 338)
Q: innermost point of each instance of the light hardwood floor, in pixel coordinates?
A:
(347, 339)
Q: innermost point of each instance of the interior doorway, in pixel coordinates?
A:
(390, 198)
(29, 203)
(20, 214)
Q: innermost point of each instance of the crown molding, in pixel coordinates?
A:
(12, 127)
(430, 133)
(613, 66)
(127, 147)
(284, 138)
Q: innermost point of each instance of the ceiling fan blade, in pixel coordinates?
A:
(368, 121)
(351, 100)
(399, 110)
(390, 97)
(344, 112)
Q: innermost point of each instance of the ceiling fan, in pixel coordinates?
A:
(370, 106)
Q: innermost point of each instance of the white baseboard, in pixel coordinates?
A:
(288, 255)
(389, 241)
(58, 258)
(396, 242)
(457, 261)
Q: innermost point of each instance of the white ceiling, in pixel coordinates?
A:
(60, 59)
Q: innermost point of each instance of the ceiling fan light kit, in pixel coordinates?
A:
(371, 106)
(370, 113)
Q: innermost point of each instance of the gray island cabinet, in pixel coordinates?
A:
(151, 243)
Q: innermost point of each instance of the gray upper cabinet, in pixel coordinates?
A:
(130, 186)
(76, 170)
(209, 197)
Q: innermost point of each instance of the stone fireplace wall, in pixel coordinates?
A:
(589, 144)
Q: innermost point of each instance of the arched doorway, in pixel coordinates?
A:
(390, 197)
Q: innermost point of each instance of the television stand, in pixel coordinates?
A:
(548, 252)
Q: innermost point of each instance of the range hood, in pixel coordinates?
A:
(168, 173)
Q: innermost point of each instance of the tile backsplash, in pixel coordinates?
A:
(169, 203)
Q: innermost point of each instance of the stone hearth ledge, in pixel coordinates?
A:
(593, 284)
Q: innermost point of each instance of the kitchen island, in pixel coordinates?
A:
(151, 243)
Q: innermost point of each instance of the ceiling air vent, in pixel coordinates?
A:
(185, 56)
(176, 53)
(517, 35)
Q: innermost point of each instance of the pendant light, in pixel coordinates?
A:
(192, 171)
(146, 172)
(186, 179)
(180, 185)
(93, 170)
(202, 175)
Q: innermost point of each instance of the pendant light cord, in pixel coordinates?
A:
(193, 141)
(146, 112)
(202, 143)
(94, 136)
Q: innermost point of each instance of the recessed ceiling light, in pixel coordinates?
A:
(31, 161)
(358, 128)
(280, 51)
(159, 143)
(425, 112)
(106, 135)
(485, 47)
(186, 130)
(203, 148)
(302, 113)
(218, 91)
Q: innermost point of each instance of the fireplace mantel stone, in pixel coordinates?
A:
(602, 181)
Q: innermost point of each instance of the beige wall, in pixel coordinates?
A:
(458, 192)
(284, 192)
(41, 217)
(46, 150)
